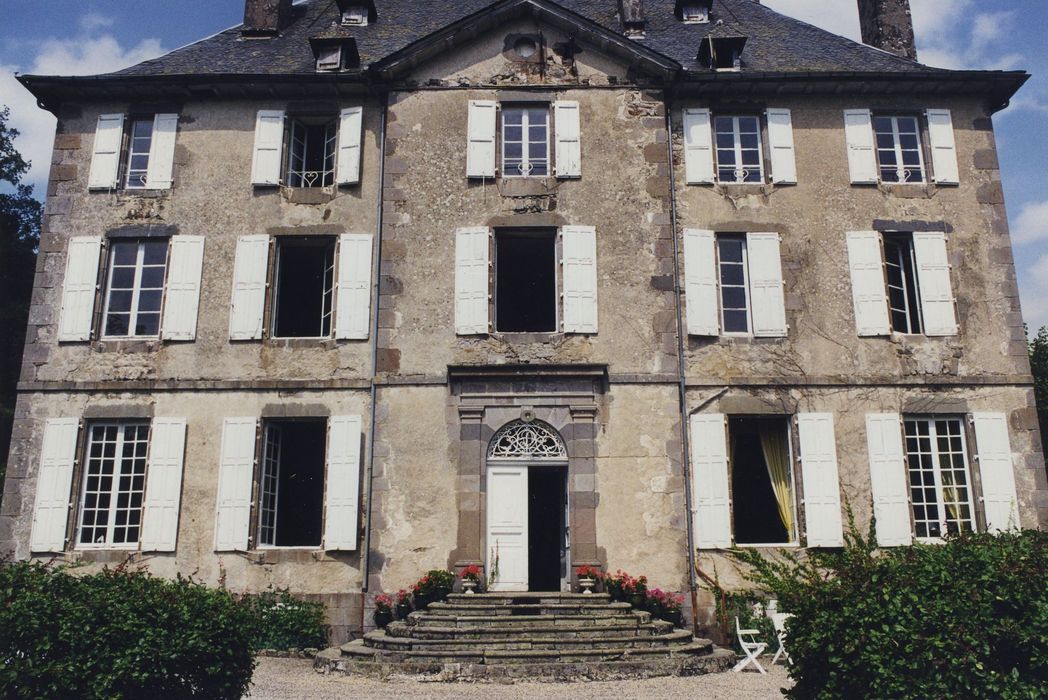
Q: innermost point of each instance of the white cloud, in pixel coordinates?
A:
(1033, 291)
(839, 17)
(92, 21)
(954, 34)
(1031, 225)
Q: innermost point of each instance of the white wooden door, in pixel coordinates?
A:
(507, 540)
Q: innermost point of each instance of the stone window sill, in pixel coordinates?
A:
(289, 343)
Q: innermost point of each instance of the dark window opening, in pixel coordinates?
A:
(291, 488)
(547, 501)
(305, 279)
(526, 282)
(903, 298)
(311, 156)
(761, 481)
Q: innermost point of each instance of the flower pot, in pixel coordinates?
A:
(587, 584)
(637, 600)
(675, 617)
(383, 618)
(468, 587)
(403, 610)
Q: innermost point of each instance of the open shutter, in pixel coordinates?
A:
(580, 279)
(891, 506)
(768, 300)
(700, 281)
(341, 520)
(78, 288)
(568, 128)
(160, 172)
(698, 146)
(353, 305)
(480, 152)
(507, 527)
(862, 158)
(997, 470)
(869, 293)
(933, 278)
(236, 470)
(182, 300)
(350, 129)
(167, 444)
(269, 147)
(822, 491)
(471, 280)
(54, 484)
(249, 288)
(105, 155)
(710, 502)
(944, 146)
(780, 141)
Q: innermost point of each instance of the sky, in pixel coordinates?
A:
(63, 37)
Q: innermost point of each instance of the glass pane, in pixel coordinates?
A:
(725, 140)
(732, 274)
(882, 124)
(148, 324)
(143, 128)
(512, 116)
(125, 253)
(734, 297)
(123, 278)
(513, 133)
(730, 251)
(513, 150)
(748, 140)
(537, 150)
(735, 322)
(120, 301)
(155, 252)
(152, 278)
(149, 301)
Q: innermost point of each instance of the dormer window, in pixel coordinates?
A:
(722, 52)
(329, 58)
(334, 53)
(355, 16)
(694, 11)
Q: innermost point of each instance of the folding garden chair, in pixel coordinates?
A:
(750, 647)
(779, 621)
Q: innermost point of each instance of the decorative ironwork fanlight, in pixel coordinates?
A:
(534, 440)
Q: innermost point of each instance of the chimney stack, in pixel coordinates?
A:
(888, 25)
(266, 17)
(632, 14)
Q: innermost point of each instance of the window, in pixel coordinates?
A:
(355, 15)
(940, 487)
(525, 141)
(740, 157)
(304, 283)
(899, 155)
(525, 282)
(135, 288)
(291, 486)
(140, 142)
(762, 481)
(904, 302)
(311, 154)
(113, 485)
(329, 58)
(734, 283)
(695, 13)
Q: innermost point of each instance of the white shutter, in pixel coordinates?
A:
(568, 128)
(933, 279)
(780, 140)
(471, 280)
(997, 470)
(700, 281)
(160, 171)
(105, 155)
(78, 288)
(236, 471)
(944, 146)
(869, 293)
(862, 158)
(350, 129)
(822, 492)
(698, 146)
(353, 305)
(767, 296)
(480, 152)
(182, 296)
(54, 483)
(580, 279)
(507, 527)
(269, 147)
(342, 485)
(249, 288)
(167, 445)
(888, 479)
(710, 501)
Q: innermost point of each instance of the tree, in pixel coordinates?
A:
(1039, 365)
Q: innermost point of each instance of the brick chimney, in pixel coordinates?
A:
(266, 17)
(888, 25)
(632, 14)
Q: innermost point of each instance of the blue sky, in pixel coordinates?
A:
(95, 36)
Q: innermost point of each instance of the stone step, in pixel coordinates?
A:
(510, 632)
(425, 619)
(527, 609)
(480, 655)
(380, 640)
(525, 597)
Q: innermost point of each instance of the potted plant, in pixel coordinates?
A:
(587, 576)
(433, 587)
(383, 610)
(470, 579)
(665, 606)
(403, 604)
(635, 590)
(613, 584)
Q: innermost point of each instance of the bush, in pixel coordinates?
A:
(281, 621)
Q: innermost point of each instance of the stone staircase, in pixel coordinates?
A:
(537, 636)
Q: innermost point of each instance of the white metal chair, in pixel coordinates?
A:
(750, 647)
(778, 620)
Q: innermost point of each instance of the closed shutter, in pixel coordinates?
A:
(710, 502)
(353, 305)
(79, 287)
(105, 155)
(341, 519)
(569, 139)
(862, 158)
(869, 293)
(698, 146)
(944, 146)
(249, 288)
(160, 172)
(580, 279)
(997, 470)
(182, 297)
(780, 141)
(822, 492)
(54, 483)
(269, 147)
(700, 281)
(167, 444)
(480, 151)
(933, 279)
(236, 471)
(768, 301)
(471, 280)
(350, 130)
(888, 479)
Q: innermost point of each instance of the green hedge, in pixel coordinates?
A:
(283, 622)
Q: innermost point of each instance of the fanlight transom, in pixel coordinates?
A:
(531, 440)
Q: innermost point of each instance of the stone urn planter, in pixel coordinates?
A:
(469, 587)
(587, 584)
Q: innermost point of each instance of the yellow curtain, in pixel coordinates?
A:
(777, 457)
(949, 494)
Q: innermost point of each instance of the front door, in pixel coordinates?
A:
(507, 531)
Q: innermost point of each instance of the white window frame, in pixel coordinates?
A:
(136, 290)
(268, 481)
(940, 501)
(795, 540)
(741, 237)
(905, 243)
(131, 151)
(897, 148)
(298, 148)
(118, 451)
(525, 143)
(257, 502)
(327, 299)
(355, 16)
(737, 149)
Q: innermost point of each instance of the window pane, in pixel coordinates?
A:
(513, 133)
(732, 274)
(730, 250)
(735, 322)
(153, 278)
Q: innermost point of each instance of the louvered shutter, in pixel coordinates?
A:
(78, 288)
(698, 146)
(569, 139)
(869, 293)
(580, 279)
(105, 154)
(182, 296)
(780, 141)
(353, 305)
(933, 279)
(167, 444)
(822, 495)
(341, 519)
(160, 171)
(997, 470)
(888, 479)
(471, 280)
(768, 300)
(944, 146)
(236, 471)
(54, 483)
(700, 281)
(480, 151)
(269, 147)
(862, 158)
(249, 288)
(350, 130)
(710, 501)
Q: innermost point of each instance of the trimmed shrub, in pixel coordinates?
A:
(282, 622)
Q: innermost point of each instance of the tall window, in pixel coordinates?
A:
(734, 283)
(311, 155)
(135, 288)
(740, 157)
(140, 141)
(305, 284)
(940, 487)
(526, 282)
(903, 297)
(899, 155)
(291, 491)
(762, 481)
(525, 141)
(113, 486)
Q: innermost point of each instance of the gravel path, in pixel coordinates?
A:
(295, 678)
